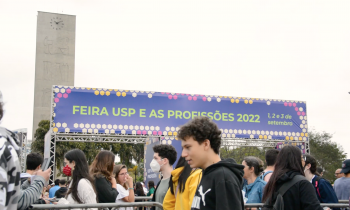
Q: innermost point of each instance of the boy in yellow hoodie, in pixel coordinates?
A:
(183, 185)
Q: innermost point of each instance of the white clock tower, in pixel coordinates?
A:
(54, 64)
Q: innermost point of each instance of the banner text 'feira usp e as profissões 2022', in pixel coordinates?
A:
(108, 111)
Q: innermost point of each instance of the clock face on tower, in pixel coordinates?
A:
(56, 23)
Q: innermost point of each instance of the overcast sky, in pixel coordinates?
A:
(293, 50)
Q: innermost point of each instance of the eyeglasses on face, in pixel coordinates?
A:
(123, 174)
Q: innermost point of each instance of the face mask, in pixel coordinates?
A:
(155, 166)
(67, 170)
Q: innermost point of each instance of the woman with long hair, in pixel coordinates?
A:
(151, 188)
(102, 169)
(140, 192)
(255, 186)
(81, 189)
(183, 185)
(139, 189)
(302, 194)
(125, 186)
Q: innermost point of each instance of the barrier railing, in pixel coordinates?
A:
(137, 198)
(105, 206)
(330, 205)
(97, 205)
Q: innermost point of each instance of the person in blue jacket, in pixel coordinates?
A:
(324, 190)
(255, 187)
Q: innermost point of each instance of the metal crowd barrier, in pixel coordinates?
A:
(103, 206)
(106, 206)
(330, 205)
(148, 198)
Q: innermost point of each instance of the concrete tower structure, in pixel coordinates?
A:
(55, 60)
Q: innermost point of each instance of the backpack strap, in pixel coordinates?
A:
(283, 189)
(262, 176)
(317, 186)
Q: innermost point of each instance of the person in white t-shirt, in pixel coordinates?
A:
(144, 188)
(125, 186)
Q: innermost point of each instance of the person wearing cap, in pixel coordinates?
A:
(342, 185)
(53, 189)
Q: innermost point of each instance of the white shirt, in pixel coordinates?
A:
(122, 194)
(85, 192)
(312, 179)
(145, 190)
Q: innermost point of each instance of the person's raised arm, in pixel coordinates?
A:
(33, 192)
(131, 197)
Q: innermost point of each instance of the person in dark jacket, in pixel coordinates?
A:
(62, 191)
(300, 196)
(102, 171)
(324, 190)
(222, 180)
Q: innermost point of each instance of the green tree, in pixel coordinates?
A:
(39, 143)
(138, 152)
(125, 153)
(240, 152)
(90, 149)
(328, 154)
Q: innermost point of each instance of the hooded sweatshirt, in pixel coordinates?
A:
(182, 200)
(220, 187)
(301, 196)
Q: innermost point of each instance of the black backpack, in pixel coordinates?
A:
(279, 203)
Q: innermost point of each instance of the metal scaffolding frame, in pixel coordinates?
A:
(141, 139)
(22, 137)
(236, 142)
(91, 138)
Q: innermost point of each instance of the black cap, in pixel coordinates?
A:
(345, 168)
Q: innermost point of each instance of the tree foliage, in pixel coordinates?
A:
(240, 152)
(329, 154)
(38, 144)
(126, 152)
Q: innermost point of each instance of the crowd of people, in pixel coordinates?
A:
(200, 180)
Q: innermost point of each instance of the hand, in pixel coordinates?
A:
(45, 174)
(129, 180)
(114, 182)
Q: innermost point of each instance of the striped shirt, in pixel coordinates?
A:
(12, 196)
(9, 170)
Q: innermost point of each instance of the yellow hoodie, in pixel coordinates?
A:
(183, 201)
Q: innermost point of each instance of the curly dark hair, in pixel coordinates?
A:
(202, 128)
(166, 151)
